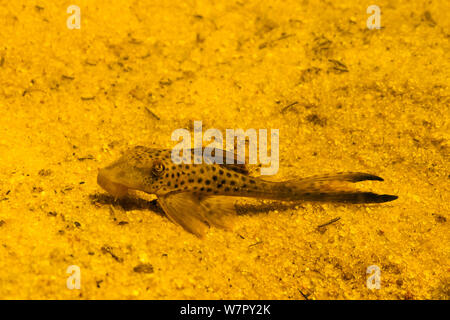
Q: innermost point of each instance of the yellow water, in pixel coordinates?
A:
(345, 98)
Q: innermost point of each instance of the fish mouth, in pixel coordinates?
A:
(116, 189)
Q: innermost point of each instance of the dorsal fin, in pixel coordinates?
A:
(237, 167)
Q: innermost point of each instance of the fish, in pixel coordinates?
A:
(197, 196)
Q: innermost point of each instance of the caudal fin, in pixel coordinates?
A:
(335, 188)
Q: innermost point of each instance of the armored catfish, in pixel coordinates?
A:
(196, 196)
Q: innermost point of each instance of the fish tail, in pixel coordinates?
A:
(333, 188)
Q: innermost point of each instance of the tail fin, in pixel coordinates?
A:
(334, 188)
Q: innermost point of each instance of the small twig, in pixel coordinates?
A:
(255, 244)
(304, 295)
(338, 63)
(106, 249)
(329, 222)
(152, 113)
(269, 43)
(288, 106)
(338, 66)
(88, 157)
(285, 36)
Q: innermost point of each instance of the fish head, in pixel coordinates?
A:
(134, 171)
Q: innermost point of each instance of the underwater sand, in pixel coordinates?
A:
(345, 98)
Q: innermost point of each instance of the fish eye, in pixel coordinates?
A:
(158, 168)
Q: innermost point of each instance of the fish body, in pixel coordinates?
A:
(196, 196)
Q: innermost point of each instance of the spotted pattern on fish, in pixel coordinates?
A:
(192, 195)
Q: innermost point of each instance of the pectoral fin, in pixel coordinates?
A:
(185, 210)
(195, 213)
(219, 210)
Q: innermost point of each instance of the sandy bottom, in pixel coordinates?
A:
(345, 98)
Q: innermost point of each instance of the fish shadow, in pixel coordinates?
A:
(127, 203)
(244, 209)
